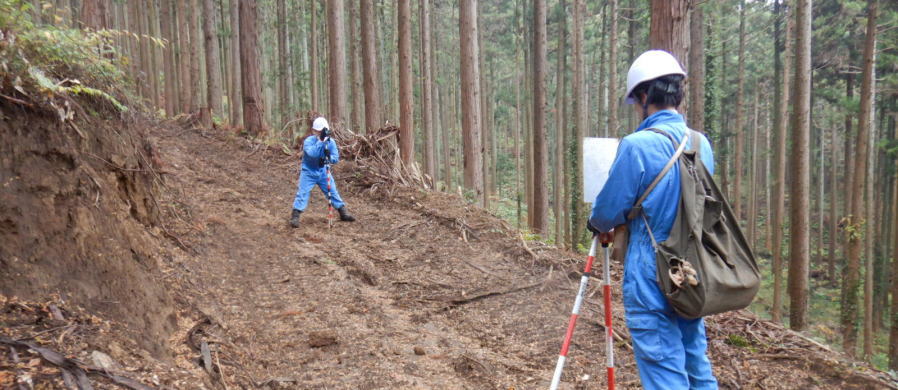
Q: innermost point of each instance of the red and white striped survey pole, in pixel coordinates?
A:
(609, 330)
(584, 280)
(581, 293)
(330, 204)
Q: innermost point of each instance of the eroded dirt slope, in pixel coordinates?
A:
(421, 292)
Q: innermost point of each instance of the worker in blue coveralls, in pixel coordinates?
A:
(670, 350)
(318, 150)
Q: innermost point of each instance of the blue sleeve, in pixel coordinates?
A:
(620, 191)
(312, 148)
(335, 153)
(707, 155)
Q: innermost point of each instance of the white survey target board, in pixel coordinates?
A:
(598, 155)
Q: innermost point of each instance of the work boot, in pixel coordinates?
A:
(344, 215)
(294, 218)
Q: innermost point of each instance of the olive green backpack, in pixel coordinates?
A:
(705, 266)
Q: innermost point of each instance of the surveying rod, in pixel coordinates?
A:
(584, 280)
(606, 239)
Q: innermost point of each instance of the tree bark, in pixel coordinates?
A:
(856, 226)
(833, 202)
(355, 67)
(470, 90)
(251, 79)
(871, 236)
(485, 128)
(540, 151)
(406, 113)
(169, 58)
(369, 57)
(696, 117)
(781, 98)
(612, 130)
(282, 72)
(184, 57)
(142, 50)
(152, 18)
(893, 331)
(740, 119)
(313, 56)
(799, 219)
(196, 48)
(213, 59)
(93, 14)
(560, 125)
(336, 54)
(752, 178)
(430, 154)
(234, 101)
(580, 126)
(670, 27)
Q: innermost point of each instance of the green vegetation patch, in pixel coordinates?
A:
(42, 62)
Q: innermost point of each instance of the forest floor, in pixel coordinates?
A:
(423, 292)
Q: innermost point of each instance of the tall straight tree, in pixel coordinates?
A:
(406, 111)
(470, 97)
(740, 118)
(369, 67)
(799, 240)
(560, 125)
(251, 77)
(169, 57)
(234, 101)
(856, 228)
(93, 14)
(612, 97)
(781, 98)
(893, 331)
(336, 54)
(184, 97)
(213, 60)
(196, 50)
(670, 27)
(696, 69)
(833, 201)
(430, 164)
(283, 54)
(580, 120)
(540, 150)
(355, 65)
(313, 56)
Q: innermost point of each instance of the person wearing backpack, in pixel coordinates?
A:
(319, 150)
(670, 349)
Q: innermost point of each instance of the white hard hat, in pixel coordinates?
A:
(649, 66)
(319, 124)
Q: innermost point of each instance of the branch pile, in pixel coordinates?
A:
(378, 154)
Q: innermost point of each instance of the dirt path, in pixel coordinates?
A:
(383, 286)
(414, 295)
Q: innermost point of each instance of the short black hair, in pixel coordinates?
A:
(663, 92)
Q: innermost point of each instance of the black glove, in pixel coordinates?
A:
(591, 228)
(325, 132)
(326, 156)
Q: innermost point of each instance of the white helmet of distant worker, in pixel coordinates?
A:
(649, 66)
(320, 124)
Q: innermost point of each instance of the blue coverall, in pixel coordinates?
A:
(313, 172)
(670, 350)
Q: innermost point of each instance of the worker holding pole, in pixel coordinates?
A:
(319, 152)
(670, 350)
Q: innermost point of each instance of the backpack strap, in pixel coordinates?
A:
(637, 207)
(696, 143)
